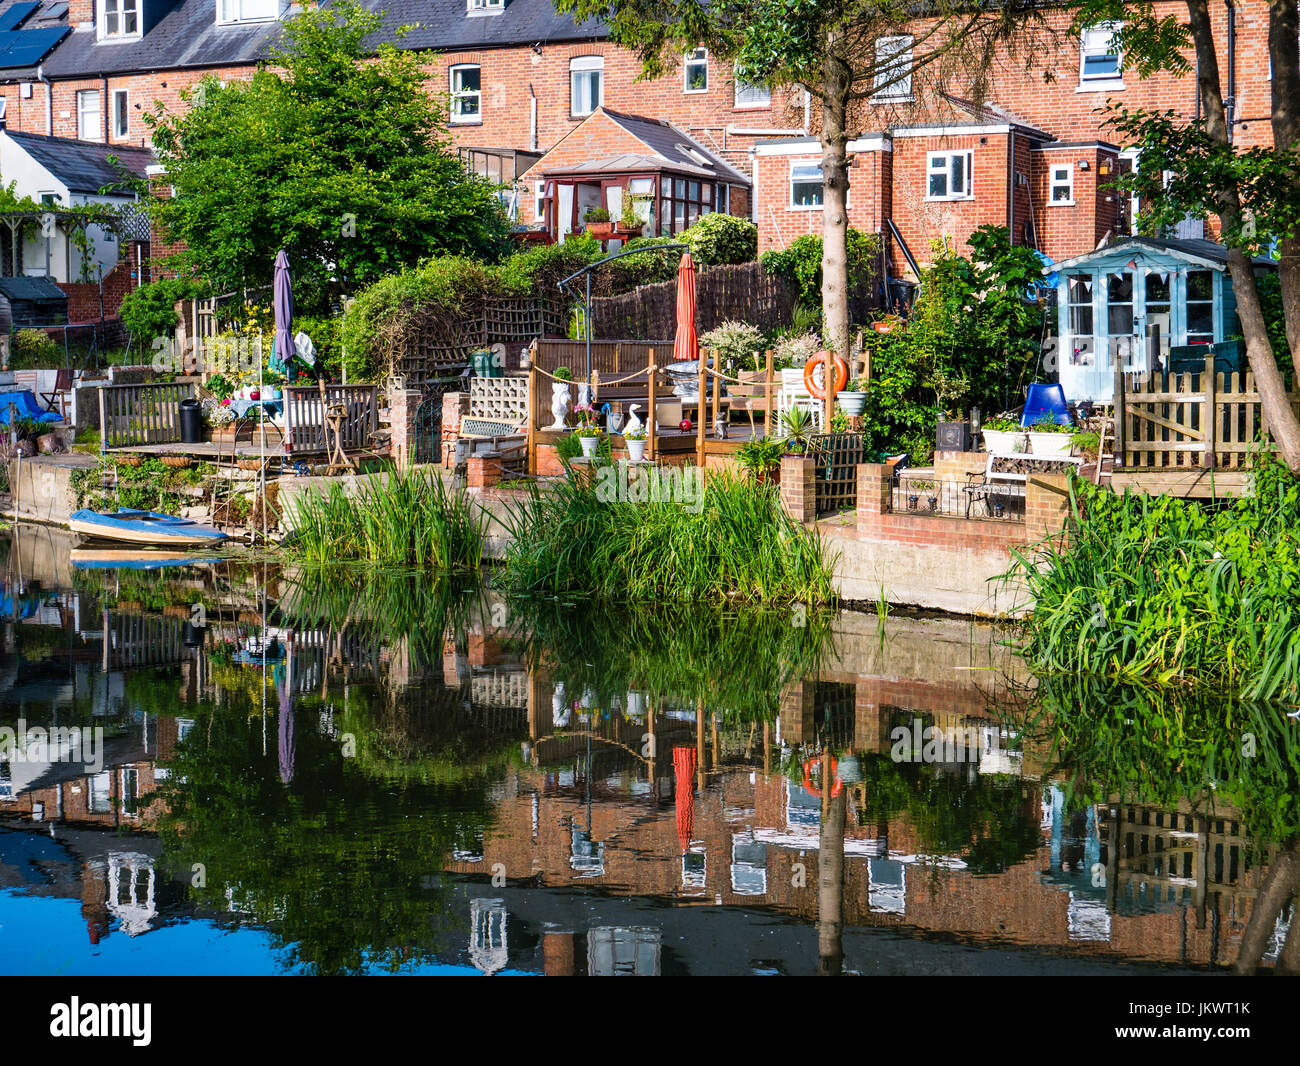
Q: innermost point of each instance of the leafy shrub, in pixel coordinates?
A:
(733, 345)
(802, 263)
(150, 310)
(34, 348)
(537, 269)
(718, 238)
(795, 349)
(325, 333)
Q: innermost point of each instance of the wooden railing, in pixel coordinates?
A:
(1208, 420)
(608, 358)
(141, 414)
(305, 416)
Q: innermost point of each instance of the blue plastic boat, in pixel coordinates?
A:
(143, 527)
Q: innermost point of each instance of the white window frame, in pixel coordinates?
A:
(120, 9)
(696, 57)
(123, 130)
(585, 65)
(457, 95)
(1054, 183)
(484, 7)
(762, 95)
(539, 200)
(805, 165)
(96, 112)
(224, 18)
(897, 52)
(969, 159)
(1096, 41)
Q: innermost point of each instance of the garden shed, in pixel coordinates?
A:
(1140, 304)
(35, 301)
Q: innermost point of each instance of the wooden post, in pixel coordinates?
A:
(1121, 421)
(1209, 421)
(652, 436)
(103, 422)
(531, 407)
(717, 390)
(700, 412)
(767, 396)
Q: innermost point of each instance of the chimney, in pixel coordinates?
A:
(81, 13)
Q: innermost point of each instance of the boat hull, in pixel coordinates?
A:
(144, 528)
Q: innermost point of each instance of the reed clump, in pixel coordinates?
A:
(1168, 591)
(405, 518)
(732, 545)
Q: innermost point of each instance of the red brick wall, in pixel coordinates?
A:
(83, 298)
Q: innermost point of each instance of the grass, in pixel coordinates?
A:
(401, 519)
(1165, 591)
(739, 547)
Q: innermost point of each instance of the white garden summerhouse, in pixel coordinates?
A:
(1127, 303)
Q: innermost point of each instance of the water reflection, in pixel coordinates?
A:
(369, 772)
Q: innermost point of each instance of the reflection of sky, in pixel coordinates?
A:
(47, 936)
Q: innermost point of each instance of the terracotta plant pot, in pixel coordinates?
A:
(600, 230)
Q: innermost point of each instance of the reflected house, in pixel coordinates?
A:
(130, 877)
(488, 948)
(623, 951)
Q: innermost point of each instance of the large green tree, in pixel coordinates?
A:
(339, 155)
(1196, 167)
(842, 52)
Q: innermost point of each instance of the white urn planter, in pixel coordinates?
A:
(589, 445)
(636, 450)
(1004, 441)
(1050, 443)
(559, 403)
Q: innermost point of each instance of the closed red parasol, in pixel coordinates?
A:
(684, 772)
(686, 345)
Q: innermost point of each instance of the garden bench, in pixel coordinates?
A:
(1005, 475)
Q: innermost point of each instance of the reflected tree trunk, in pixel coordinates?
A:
(830, 880)
(1280, 884)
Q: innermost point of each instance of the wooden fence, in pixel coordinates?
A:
(305, 417)
(1210, 420)
(141, 414)
(744, 292)
(442, 346)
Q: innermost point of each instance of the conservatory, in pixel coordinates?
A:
(1127, 304)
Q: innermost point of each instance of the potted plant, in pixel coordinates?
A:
(630, 223)
(560, 397)
(635, 439)
(761, 459)
(1049, 437)
(1003, 435)
(853, 400)
(587, 432)
(588, 435)
(598, 223)
(796, 428)
(1088, 444)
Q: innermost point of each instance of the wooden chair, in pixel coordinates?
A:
(59, 394)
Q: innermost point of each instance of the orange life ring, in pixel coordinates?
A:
(837, 786)
(810, 368)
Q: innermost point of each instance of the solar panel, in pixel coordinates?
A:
(56, 11)
(26, 48)
(15, 13)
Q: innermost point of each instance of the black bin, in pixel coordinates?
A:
(191, 422)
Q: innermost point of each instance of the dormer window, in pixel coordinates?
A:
(119, 19)
(247, 10)
(485, 7)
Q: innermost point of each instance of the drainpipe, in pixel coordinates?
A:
(106, 115)
(1230, 104)
(532, 118)
(49, 100)
(1011, 184)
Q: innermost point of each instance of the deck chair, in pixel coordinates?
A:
(1045, 401)
(59, 394)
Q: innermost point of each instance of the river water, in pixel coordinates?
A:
(247, 768)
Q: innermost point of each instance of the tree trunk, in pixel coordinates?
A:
(1283, 425)
(1284, 47)
(835, 193)
(830, 879)
(1279, 885)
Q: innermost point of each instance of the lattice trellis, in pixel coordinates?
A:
(499, 399)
